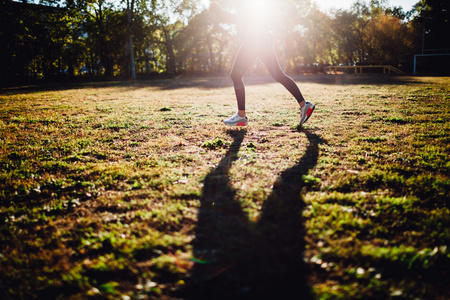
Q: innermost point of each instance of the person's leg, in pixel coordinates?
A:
(269, 58)
(244, 59)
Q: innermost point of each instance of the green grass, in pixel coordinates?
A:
(138, 191)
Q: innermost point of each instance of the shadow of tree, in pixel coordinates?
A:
(236, 258)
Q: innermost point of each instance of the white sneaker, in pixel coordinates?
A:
(306, 112)
(236, 120)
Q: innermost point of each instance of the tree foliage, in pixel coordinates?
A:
(432, 23)
(70, 38)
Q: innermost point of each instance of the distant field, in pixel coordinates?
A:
(138, 191)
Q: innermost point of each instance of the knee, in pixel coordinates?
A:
(279, 76)
(236, 77)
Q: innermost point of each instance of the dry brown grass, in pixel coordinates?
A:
(138, 190)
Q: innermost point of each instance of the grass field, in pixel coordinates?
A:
(138, 191)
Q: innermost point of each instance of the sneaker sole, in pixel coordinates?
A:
(238, 124)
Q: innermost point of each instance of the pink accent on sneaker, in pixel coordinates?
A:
(309, 112)
(241, 124)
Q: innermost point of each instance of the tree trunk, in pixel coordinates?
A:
(130, 40)
(170, 52)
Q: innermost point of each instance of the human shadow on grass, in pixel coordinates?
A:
(237, 258)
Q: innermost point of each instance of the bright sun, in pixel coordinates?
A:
(257, 11)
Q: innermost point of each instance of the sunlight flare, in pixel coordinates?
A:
(256, 13)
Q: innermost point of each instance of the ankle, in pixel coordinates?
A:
(242, 113)
(302, 104)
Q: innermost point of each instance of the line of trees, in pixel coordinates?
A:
(104, 38)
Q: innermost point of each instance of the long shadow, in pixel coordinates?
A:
(236, 258)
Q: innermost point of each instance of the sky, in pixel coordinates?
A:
(346, 4)
(326, 5)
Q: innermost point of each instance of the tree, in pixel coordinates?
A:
(317, 36)
(130, 10)
(344, 39)
(204, 45)
(390, 39)
(432, 23)
(34, 38)
(107, 30)
(372, 34)
(167, 19)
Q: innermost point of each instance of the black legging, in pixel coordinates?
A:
(259, 44)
